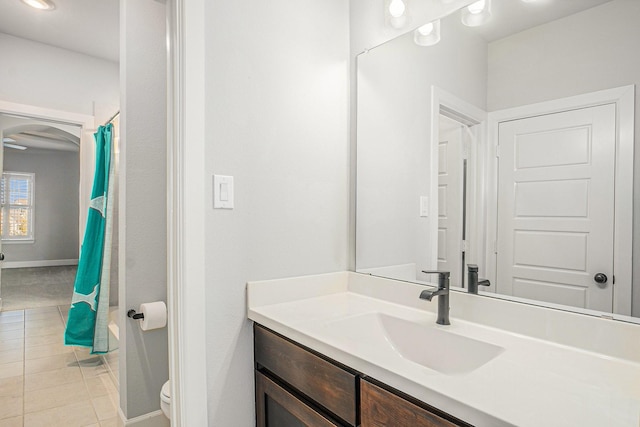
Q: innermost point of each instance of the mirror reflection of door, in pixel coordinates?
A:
(451, 199)
(556, 207)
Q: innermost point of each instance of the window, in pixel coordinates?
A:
(16, 216)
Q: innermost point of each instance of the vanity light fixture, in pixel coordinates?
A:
(40, 4)
(477, 13)
(428, 34)
(397, 13)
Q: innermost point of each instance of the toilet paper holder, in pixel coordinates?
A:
(132, 314)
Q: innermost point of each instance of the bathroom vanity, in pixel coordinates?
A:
(350, 349)
(297, 385)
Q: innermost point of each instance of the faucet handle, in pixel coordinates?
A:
(440, 272)
(443, 277)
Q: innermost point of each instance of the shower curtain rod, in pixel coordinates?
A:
(112, 117)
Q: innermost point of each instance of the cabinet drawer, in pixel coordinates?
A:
(323, 382)
(381, 408)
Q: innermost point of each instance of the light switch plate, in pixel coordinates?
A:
(424, 206)
(222, 192)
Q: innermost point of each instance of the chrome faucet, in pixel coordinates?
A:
(442, 292)
(474, 282)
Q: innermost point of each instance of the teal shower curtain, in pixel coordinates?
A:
(88, 315)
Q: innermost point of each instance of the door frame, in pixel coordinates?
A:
(624, 99)
(186, 201)
(463, 112)
(87, 149)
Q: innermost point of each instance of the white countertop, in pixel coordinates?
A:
(538, 380)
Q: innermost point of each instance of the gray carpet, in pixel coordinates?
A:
(23, 288)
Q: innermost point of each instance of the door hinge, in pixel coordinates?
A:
(497, 151)
(495, 246)
(464, 246)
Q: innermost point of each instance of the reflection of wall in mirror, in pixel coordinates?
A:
(394, 114)
(592, 50)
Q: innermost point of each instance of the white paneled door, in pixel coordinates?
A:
(556, 207)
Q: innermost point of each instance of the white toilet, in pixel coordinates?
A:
(165, 399)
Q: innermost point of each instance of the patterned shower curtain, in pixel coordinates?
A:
(89, 312)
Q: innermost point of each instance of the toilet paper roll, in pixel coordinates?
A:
(155, 315)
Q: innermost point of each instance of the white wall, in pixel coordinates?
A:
(276, 119)
(57, 174)
(589, 51)
(144, 365)
(394, 134)
(45, 76)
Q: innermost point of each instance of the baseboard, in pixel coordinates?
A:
(152, 419)
(40, 263)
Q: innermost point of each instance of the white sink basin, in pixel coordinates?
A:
(429, 345)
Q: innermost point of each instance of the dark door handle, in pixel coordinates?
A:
(600, 278)
(1, 256)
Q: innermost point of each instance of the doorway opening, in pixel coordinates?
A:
(456, 150)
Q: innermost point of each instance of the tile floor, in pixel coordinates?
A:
(45, 383)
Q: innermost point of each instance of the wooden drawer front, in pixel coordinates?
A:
(381, 408)
(297, 413)
(328, 385)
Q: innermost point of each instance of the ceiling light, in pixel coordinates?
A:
(8, 140)
(397, 13)
(40, 4)
(17, 147)
(428, 34)
(476, 13)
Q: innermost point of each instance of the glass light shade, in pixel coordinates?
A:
(477, 13)
(397, 13)
(477, 7)
(428, 34)
(40, 4)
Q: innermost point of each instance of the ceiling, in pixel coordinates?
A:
(90, 27)
(512, 16)
(38, 134)
(41, 137)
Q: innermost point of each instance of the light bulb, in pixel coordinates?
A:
(40, 4)
(426, 29)
(396, 8)
(477, 7)
(428, 34)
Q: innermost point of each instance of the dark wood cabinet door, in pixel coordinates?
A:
(381, 408)
(276, 407)
(316, 378)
